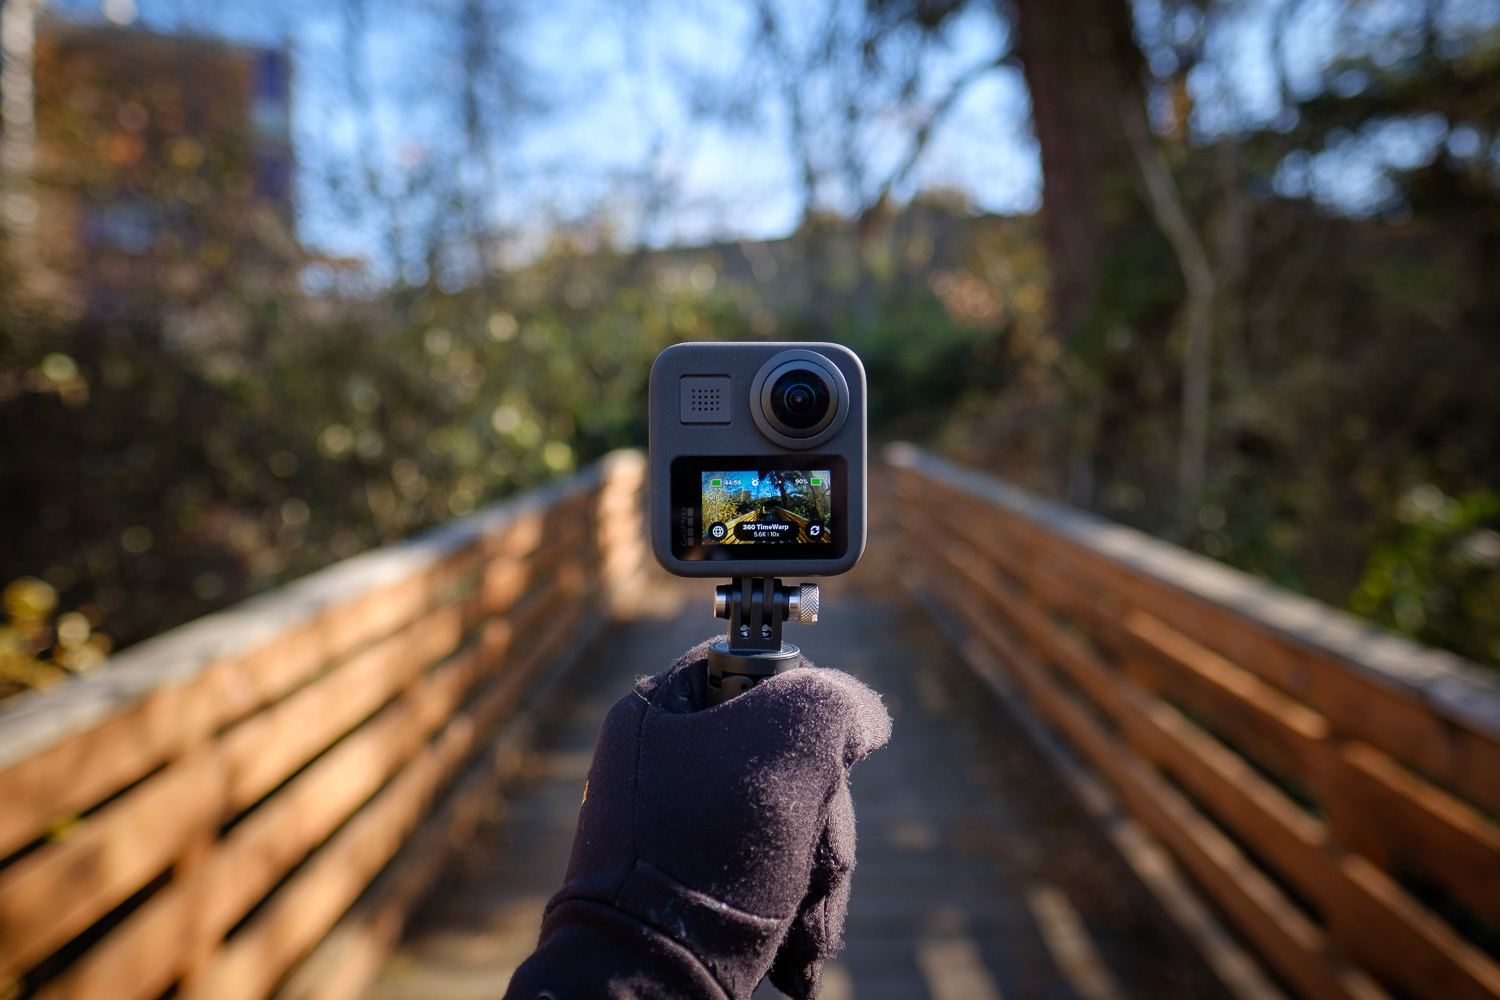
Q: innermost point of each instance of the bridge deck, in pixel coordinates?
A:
(977, 878)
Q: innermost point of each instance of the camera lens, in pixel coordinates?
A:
(800, 398)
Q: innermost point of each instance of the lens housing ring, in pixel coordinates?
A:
(764, 412)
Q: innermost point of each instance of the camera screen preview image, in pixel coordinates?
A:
(774, 507)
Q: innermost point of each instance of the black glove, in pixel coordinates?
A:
(713, 845)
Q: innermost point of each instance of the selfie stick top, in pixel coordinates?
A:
(753, 650)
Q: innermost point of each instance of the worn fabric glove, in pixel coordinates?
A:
(714, 845)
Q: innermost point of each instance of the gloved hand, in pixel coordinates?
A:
(713, 845)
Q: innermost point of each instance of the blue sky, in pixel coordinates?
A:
(614, 82)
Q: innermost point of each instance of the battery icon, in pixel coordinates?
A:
(817, 482)
(716, 482)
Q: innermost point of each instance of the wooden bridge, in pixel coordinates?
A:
(1118, 769)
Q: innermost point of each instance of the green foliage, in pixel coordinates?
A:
(168, 466)
(1347, 352)
(918, 360)
(154, 476)
(225, 441)
(948, 310)
(1435, 572)
(35, 649)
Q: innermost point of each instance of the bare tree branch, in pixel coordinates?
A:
(940, 110)
(1166, 205)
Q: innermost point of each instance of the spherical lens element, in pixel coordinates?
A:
(800, 398)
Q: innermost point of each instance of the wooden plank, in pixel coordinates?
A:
(303, 910)
(499, 700)
(120, 853)
(508, 580)
(55, 893)
(63, 751)
(1272, 825)
(505, 580)
(1278, 731)
(1079, 662)
(143, 956)
(1381, 810)
(1292, 945)
(1355, 705)
(261, 849)
(1384, 928)
(1426, 708)
(76, 774)
(268, 747)
(69, 778)
(265, 749)
(1052, 583)
(257, 853)
(1284, 936)
(1297, 948)
(521, 539)
(350, 956)
(151, 949)
(528, 549)
(174, 719)
(1376, 806)
(621, 490)
(1240, 973)
(34, 723)
(1284, 836)
(1287, 840)
(1240, 705)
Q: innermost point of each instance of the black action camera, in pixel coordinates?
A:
(758, 459)
(758, 469)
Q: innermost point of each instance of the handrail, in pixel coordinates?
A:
(1333, 788)
(269, 760)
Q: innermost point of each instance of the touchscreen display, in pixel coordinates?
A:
(767, 507)
(731, 507)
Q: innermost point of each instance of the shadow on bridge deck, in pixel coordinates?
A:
(978, 876)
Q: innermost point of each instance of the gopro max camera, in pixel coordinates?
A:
(758, 459)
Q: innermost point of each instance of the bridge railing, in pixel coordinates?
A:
(1330, 787)
(203, 811)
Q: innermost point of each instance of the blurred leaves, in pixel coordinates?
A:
(1435, 572)
(36, 650)
(1355, 242)
(218, 411)
(200, 468)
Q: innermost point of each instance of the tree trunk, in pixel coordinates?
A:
(1080, 59)
(1084, 71)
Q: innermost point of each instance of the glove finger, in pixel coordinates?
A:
(841, 702)
(733, 800)
(817, 931)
